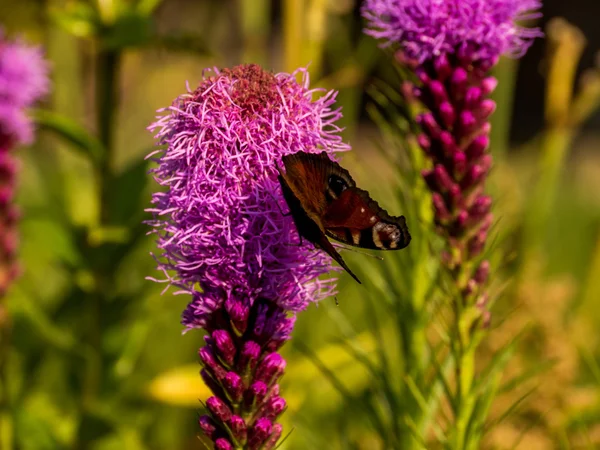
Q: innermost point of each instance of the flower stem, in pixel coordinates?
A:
(5, 415)
(465, 372)
(107, 99)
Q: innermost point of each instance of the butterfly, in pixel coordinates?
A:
(324, 202)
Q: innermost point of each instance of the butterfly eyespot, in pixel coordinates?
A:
(337, 185)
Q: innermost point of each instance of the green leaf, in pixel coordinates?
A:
(497, 364)
(147, 7)
(78, 18)
(126, 194)
(34, 433)
(130, 29)
(71, 132)
(50, 240)
(94, 427)
(438, 385)
(512, 408)
(33, 326)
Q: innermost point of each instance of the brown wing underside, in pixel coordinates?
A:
(308, 229)
(307, 175)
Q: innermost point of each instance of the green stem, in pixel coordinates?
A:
(5, 413)
(107, 99)
(464, 355)
(556, 142)
(465, 371)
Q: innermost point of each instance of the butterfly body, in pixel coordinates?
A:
(324, 202)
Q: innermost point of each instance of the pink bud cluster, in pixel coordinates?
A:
(455, 137)
(242, 367)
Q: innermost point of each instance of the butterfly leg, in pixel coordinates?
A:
(288, 214)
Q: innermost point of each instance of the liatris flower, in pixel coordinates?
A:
(23, 81)
(452, 45)
(225, 241)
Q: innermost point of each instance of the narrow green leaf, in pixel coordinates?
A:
(285, 438)
(591, 362)
(512, 408)
(126, 193)
(414, 430)
(71, 132)
(370, 411)
(440, 377)
(497, 364)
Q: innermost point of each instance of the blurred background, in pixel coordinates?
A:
(97, 357)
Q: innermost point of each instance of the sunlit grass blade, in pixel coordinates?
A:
(414, 431)
(425, 406)
(373, 415)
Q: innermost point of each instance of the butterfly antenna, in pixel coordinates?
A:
(352, 249)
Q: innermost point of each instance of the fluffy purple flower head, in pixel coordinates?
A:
(224, 238)
(479, 29)
(23, 81)
(219, 222)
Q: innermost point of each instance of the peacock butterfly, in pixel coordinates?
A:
(324, 201)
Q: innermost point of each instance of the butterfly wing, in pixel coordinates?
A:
(324, 201)
(307, 227)
(356, 219)
(308, 176)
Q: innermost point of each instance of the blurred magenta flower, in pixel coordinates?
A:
(481, 30)
(224, 240)
(451, 45)
(23, 81)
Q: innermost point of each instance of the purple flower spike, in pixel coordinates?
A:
(223, 239)
(23, 81)
(451, 45)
